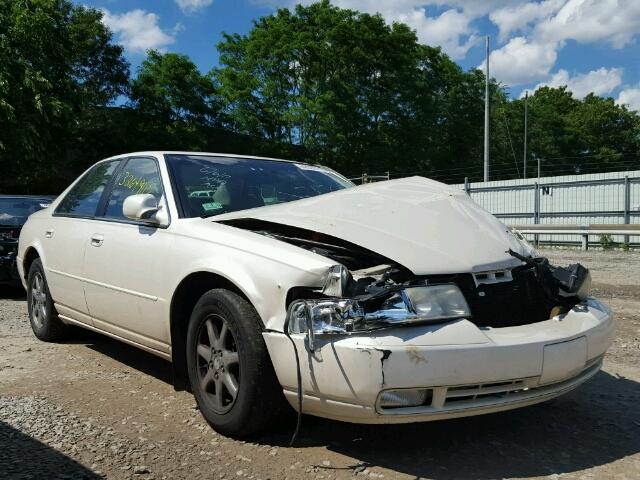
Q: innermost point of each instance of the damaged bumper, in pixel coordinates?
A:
(431, 372)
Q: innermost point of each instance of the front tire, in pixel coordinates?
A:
(42, 314)
(229, 368)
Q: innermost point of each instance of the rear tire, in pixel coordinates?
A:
(42, 314)
(230, 371)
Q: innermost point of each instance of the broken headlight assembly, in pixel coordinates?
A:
(398, 305)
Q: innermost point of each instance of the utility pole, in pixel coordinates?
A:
(486, 115)
(526, 97)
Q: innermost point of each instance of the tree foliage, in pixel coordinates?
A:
(570, 135)
(175, 99)
(356, 92)
(56, 61)
(317, 83)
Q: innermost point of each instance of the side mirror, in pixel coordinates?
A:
(142, 207)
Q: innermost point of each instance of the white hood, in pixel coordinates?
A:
(426, 226)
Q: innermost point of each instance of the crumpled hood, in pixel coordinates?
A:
(426, 226)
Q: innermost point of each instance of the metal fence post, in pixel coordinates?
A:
(627, 205)
(466, 186)
(536, 211)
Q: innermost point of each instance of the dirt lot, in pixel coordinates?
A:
(95, 408)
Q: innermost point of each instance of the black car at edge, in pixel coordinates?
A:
(14, 210)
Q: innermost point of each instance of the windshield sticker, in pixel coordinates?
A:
(133, 183)
(211, 206)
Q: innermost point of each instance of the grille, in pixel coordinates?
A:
(460, 397)
(7, 248)
(9, 232)
(505, 299)
(487, 393)
(484, 390)
(9, 240)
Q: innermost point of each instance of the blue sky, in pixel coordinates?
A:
(588, 45)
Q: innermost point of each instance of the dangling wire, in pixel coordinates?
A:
(299, 378)
(506, 124)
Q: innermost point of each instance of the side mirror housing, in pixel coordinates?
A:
(142, 207)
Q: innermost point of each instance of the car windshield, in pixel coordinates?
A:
(15, 210)
(211, 185)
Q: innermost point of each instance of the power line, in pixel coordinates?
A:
(506, 124)
(581, 165)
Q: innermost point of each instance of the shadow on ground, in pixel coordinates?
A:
(22, 457)
(12, 293)
(133, 357)
(597, 424)
(594, 425)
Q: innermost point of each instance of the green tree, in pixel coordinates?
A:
(176, 101)
(356, 92)
(571, 135)
(609, 135)
(56, 61)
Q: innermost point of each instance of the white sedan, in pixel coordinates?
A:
(267, 282)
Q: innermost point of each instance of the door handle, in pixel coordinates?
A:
(96, 240)
(48, 233)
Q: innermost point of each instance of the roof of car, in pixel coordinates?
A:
(210, 154)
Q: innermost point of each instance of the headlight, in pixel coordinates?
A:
(424, 304)
(335, 283)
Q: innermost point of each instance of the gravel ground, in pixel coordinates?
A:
(94, 408)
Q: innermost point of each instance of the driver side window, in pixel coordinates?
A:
(139, 175)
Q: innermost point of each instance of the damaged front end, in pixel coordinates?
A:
(381, 302)
(365, 291)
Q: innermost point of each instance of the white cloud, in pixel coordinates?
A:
(474, 8)
(521, 61)
(191, 6)
(450, 30)
(631, 97)
(601, 81)
(517, 17)
(532, 32)
(587, 21)
(137, 30)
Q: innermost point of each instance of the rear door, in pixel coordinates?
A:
(124, 263)
(65, 239)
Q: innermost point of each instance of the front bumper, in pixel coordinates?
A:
(468, 369)
(9, 270)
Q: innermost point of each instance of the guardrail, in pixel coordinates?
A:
(583, 230)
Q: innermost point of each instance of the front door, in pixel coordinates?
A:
(124, 263)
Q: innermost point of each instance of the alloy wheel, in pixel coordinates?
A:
(38, 300)
(218, 363)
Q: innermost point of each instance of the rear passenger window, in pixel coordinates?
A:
(82, 200)
(139, 175)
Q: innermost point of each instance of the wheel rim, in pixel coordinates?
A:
(218, 364)
(38, 300)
